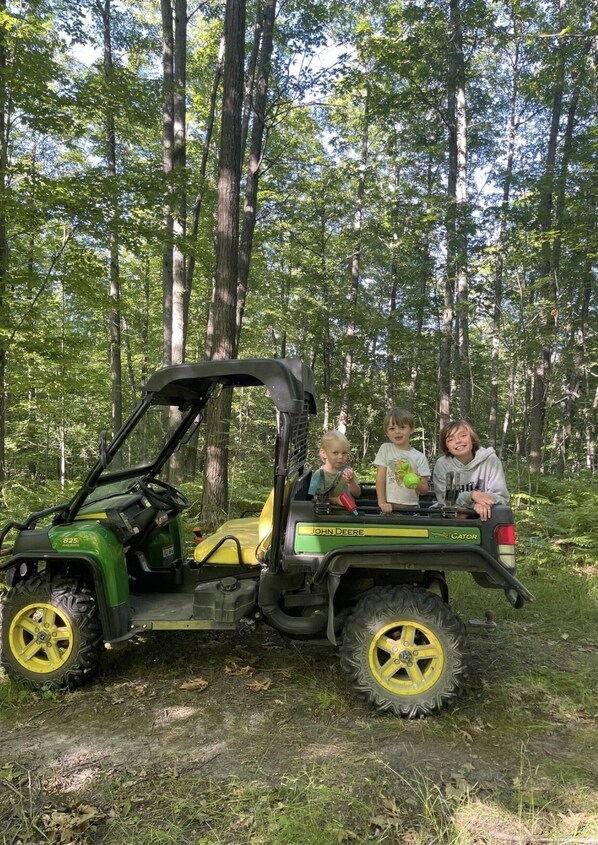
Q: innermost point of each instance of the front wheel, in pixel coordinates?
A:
(50, 632)
(404, 651)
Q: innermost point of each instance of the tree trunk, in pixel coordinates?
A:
(179, 167)
(221, 332)
(422, 306)
(4, 255)
(448, 312)
(575, 341)
(105, 13)
(145, 322)
(202, 179)
(500, 251)
(459, 252)
(547, 298)
(392, 344)
(347, 366)
(167, 167)
(250, 71)
(255, 156)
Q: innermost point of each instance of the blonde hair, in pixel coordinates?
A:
(333, 437)
(398, 416)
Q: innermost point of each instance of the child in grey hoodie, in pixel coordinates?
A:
(481, 477)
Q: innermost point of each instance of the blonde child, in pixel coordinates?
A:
(402, 472)
(335, 476)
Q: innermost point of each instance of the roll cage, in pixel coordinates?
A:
(188, 388)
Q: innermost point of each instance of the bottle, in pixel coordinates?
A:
(348, 502)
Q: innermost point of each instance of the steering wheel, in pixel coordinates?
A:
(161, 495)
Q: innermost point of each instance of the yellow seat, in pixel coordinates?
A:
(245, 540)
(238, 539)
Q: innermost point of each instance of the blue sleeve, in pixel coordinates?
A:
(314, 483)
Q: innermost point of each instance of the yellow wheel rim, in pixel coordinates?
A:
(41, 638)
(406, 658)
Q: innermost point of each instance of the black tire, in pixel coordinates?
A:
(51, 635)
(405, 651)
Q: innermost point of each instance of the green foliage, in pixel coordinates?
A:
(58, 203)
(558, 525)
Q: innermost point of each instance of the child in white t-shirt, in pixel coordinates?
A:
(403, 472)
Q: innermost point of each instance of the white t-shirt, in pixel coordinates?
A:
(398, 463)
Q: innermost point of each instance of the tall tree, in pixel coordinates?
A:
(221, 340)
(546, 298)
(355, 268)
(104, 11)
(258, 126)
(457, 271)
(168, 49)
(501, 244)
(179, 187)
(5, 116)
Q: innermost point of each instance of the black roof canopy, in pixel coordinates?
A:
(288, 380)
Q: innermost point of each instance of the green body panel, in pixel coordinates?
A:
(165, 546)
(89, 538)
(321, 538)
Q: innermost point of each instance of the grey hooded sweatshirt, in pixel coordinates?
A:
(484, 472)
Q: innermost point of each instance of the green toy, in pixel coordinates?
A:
(411, 480)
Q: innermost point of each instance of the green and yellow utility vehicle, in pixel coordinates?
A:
(112, 562)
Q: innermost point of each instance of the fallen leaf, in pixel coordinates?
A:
(259, 686)
(234, 668)
(243, 654)
(196, 684)
(389, 804)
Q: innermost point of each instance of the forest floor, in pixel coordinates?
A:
(248, 738)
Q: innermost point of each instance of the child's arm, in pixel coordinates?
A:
(423, 485)
(385, 506)
(352, 483)
(423, 470)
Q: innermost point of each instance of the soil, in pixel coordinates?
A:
(251, 705)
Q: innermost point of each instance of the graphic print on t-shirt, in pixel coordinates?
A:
(399, 468)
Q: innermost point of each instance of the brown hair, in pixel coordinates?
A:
(398, 416)
(451, 428)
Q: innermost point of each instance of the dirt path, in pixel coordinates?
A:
(273, 710)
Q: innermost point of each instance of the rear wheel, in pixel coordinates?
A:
(404, 651)
(50, 632)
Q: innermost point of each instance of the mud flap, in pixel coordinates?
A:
(333, 582)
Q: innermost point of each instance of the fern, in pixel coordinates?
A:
(585, 541)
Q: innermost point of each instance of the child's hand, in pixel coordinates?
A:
(386, 507)
(482, 504)
(349, 475)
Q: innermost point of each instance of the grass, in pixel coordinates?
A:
(384, 806)
(303, 761)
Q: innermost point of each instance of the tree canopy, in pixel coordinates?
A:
(415, 214)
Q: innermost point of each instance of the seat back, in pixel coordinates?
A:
(267, 515)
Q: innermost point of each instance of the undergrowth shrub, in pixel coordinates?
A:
(558, 524)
